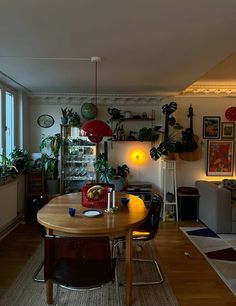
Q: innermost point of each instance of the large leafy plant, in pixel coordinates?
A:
(49, 161)
(169, 144)
(105, 171)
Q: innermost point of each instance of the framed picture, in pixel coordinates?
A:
(227, 130)
(45, 121)
(211, 127)
(220, 157)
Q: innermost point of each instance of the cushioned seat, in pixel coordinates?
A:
(79, 263)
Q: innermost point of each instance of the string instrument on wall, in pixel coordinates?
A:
(192, 151)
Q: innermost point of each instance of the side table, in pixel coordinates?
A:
(141, 190)
(188, 202)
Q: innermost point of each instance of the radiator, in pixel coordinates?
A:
(8, 203)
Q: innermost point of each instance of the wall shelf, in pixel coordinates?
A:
(123, 129)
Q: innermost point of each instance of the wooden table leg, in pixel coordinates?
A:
(49, 292)
(128, 267)
(49, 284)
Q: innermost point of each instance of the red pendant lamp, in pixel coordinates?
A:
(96, 129)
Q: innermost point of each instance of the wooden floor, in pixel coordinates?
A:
(193, 280)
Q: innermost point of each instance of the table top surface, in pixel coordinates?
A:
(54, 215)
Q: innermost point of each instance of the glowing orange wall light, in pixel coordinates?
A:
(138, 157)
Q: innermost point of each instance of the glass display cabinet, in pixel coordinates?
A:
(77, 160)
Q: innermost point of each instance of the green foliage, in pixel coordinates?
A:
(149, 134)
(49, 162)
(169, 144)
(18, 162)
(20, 159)
(106, 172)
(123, 171)
(74, 119)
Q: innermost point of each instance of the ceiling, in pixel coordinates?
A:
(151, 47)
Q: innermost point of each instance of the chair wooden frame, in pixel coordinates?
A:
(71, 263)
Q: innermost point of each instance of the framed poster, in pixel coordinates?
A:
(211, 127)
(220, 157)
(227, 130)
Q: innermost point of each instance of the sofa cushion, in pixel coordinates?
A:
(230, 185)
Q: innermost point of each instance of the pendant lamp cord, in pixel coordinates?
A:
(96, 82)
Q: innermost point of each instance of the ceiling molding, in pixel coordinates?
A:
(79, 99)
(209, 90)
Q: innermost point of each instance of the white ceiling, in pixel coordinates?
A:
(156, 47)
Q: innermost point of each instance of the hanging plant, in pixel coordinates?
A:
(169, 143)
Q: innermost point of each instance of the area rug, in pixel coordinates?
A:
(219, 250)
(25, 292)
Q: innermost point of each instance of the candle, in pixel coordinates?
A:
(113, 199)
(108, 200)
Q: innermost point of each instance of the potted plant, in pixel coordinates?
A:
(110, 175)
(149, 134)
(49, 161)
(123, 171)
(169, 144)
(74, 119)
(64, 118)
(7, 169)
(17, 163)
(105, 171)
(20, 159)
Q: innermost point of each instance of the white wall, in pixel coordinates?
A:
(150, 171)
(8, 203)
(189, 172)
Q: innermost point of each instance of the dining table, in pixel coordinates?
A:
(119, 222)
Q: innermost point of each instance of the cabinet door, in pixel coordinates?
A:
(78, 157)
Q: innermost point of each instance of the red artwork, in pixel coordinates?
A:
(220, 158)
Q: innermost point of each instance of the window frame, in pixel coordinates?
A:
(4, 89)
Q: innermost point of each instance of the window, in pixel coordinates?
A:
(9, 122)
(7, 115)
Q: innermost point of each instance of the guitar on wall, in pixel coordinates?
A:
(192, 151)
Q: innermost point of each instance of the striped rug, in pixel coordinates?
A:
(218, 249)
(25, 292)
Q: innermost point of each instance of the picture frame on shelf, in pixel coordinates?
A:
(220, 158)
(227, 130)
(211, 127)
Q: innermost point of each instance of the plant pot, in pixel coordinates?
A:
(118, 182)
(170, 156)
(53, 186)
(64, 120)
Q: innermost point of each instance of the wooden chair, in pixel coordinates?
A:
(79, 263)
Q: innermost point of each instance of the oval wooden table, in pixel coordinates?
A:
(55, 218)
